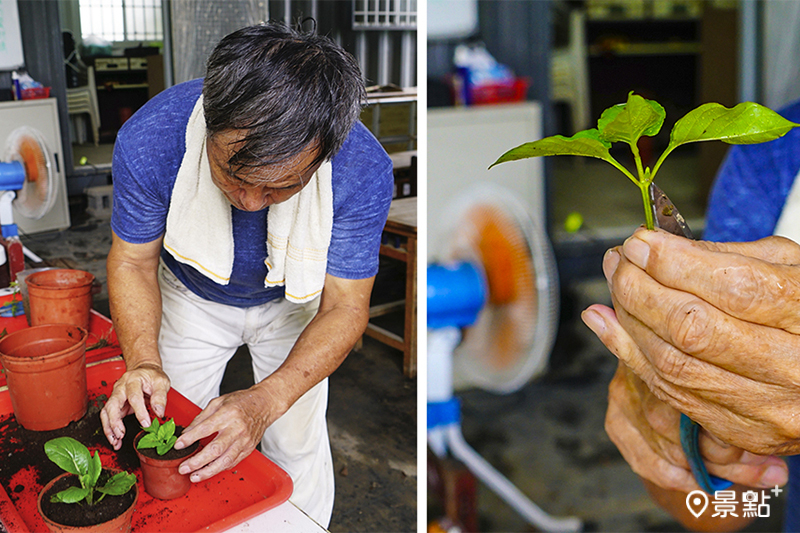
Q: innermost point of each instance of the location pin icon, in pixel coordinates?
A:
(697, 502)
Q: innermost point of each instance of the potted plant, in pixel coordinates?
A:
(45, 370)
(87, 497)
(745, 123)
(160, 460)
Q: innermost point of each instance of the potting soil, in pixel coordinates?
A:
(81, 514)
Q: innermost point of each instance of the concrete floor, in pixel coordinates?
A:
(372, 415)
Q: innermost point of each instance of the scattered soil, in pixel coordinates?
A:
(20, 448)
(173, 453)
(25, 468)
(82, 514)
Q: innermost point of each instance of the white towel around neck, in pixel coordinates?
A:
(200, 229)
(788, 224)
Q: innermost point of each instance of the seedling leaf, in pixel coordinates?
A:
(95, 467)
(148, 441)
(154, 425)
(70, 495)
(745, 123)
(159, 436)
(167, 445)
(629, 121)
(584, 143)
(69, 454)
(119, 484)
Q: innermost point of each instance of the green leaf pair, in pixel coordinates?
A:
(75, 458)
(746, 123)
(159, 436)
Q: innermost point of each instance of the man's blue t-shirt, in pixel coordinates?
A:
(752, 186)
(746, 202)
(148, 153)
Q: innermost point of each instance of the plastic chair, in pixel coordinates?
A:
(83, 99)
(569, 72)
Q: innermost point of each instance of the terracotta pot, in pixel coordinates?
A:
(45, 369)
(160, 476)
(120, 524)
(60, 296)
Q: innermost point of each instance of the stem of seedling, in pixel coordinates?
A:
(644, 181)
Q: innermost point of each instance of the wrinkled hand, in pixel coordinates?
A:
(713, 329)
(130, 395)
(647, 433)
(239, 419)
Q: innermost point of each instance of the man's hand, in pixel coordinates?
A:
(130, 395)
(239, 419)
(646, 431)
(713, 329)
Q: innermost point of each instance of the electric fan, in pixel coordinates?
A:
(27, 189)
(492, 297)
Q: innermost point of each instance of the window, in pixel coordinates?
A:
(122, 20)
(385, 14)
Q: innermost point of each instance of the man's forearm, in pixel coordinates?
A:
(319, 350)
(135, 303)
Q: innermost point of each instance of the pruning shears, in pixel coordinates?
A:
(667, 217)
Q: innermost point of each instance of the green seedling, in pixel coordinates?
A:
(75, 458)
(746, 123)
(159, 436)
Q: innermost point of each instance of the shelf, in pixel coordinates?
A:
(122, 86)
(645, 49)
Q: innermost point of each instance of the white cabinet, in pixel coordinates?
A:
(42, 115)
(464, 141)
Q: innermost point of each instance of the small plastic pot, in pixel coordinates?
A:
(60, 296)
(45, 369)
(160, 476)
(118, 524)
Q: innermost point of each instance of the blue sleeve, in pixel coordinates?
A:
(139, 212)
(147, 154)
(362, 194)
(752, 185)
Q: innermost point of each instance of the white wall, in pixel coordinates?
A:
(781, 49)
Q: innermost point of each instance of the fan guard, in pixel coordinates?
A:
(511, 340)
(38, 193)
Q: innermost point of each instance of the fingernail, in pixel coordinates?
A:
(594, 321)
(748, 458)
(774, 475)
(637, 251)
(183, 470)
(610, 263)
(179, 445)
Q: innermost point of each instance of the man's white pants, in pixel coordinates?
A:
(199, 337)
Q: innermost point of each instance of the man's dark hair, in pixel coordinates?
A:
(286, 88)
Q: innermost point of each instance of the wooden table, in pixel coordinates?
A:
(401, 226)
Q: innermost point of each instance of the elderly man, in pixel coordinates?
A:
(248, 209)
(712, 330)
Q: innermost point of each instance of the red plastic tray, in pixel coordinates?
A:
(226, 500)
(101, 344)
